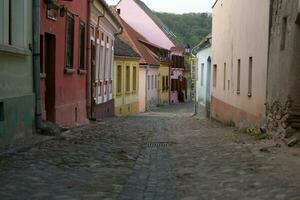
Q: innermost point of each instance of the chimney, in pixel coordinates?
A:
(119, 11)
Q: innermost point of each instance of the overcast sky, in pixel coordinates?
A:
(176, 6)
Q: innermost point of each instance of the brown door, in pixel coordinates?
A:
(50, 45)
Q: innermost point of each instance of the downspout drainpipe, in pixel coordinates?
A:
(193, 59)
(36, 62)
(88, 63)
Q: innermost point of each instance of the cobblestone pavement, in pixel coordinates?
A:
(165, 154)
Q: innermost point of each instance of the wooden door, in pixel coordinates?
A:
(50, 49)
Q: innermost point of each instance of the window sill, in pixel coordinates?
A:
(249, 95)
(82, 71)
(14, 50)
(69, 71)
(119, 94)
(128, 93)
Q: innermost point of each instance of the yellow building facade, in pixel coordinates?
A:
(126, 86)
(164, 83)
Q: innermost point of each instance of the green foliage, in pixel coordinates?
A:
(255, 133)
(189, 28)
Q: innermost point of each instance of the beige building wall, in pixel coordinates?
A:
(240, 31)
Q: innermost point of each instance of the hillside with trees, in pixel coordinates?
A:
(189, 28)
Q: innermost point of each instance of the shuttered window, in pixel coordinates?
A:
(70, 40)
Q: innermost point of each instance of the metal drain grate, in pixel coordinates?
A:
(157, 144)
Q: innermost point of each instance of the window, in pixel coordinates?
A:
(202, 74)
(13, 24)
(167, 82)
(163, 84)
(148, 82)
(70, 40)
(127, 78)
(239, 76)
(155, 81)
(173, 84)
(102, 61)
(9, 22)
(119, 79)
(224, 81)
(134, 78)
(82, 46)
(283, 33)
(107, 59)
(250, 77)
(152, 81)
(215, 76)
(112, 62)
(1, 111)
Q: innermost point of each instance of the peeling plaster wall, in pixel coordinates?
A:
(284, 64)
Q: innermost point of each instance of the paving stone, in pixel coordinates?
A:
(112, 160)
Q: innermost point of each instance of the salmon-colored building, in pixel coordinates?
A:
(63, 68)
(240, 36)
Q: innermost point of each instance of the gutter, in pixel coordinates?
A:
(36, 62)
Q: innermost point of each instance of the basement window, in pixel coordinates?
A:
(1, 111)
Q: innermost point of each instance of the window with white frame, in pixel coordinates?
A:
(14, 22)
(102, 60)
(108, 54)
(112, 63)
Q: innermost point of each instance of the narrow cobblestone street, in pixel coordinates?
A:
(162, 155)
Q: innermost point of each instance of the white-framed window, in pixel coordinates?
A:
(14, 19)
(112, 63)
(102, 60)
(107, 55)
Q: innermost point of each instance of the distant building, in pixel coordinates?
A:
(149, 68)
(64, 26)
(203, 70)
(162, 55)
(141, 19)
(284, 63)
(16, 71)
(103, 27)
(144, 21)
(126, 78)
(240, 36)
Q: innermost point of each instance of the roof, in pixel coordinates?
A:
(146, 57)
(107, 7)
(158, 22)
(204, 43)
(125, 50)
